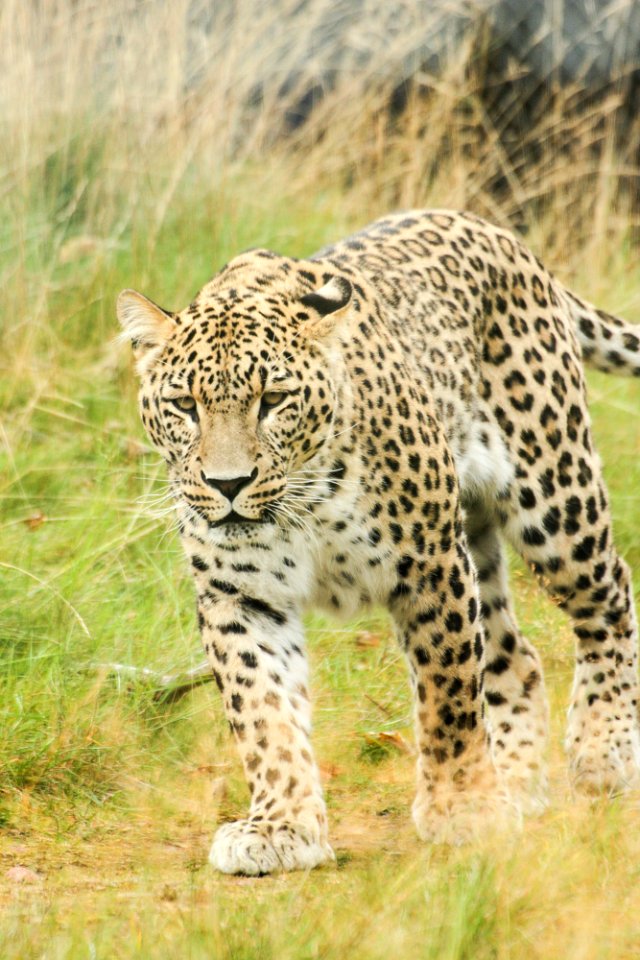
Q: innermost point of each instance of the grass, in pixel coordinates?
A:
(110, 799)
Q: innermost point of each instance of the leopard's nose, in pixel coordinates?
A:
(230, 487)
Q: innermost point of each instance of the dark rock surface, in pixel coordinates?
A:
(315, 45)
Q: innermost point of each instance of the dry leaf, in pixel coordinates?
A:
(208, 768)
(20, 874)
(366, 639)
(35, 520)
(329, 770)
(385, 738)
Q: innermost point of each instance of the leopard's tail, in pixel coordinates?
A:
(608, 343)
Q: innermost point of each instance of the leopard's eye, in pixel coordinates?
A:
(269, 400)
(273, 397)
(186, 404)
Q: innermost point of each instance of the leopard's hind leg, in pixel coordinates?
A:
(514, 685)
(567, 540)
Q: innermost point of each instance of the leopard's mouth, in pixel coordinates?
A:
(236, 519)
(233, 519)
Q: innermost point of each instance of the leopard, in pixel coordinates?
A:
(374, 425)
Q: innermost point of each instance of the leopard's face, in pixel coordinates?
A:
(238, 398)
(235, 429)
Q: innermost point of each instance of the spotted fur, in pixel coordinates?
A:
(369, 426)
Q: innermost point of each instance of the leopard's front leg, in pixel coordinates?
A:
(256, 651)
(459, 793)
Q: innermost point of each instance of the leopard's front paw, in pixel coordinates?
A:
(456, 818)
(604, 754)
(604, 768)
(528, 788)
(248, 848)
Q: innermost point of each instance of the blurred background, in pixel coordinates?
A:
(143, 140)
(155, 131)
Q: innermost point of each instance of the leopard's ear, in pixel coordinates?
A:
(143, 322)
(329, 304)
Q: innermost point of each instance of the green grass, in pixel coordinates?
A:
(110, 798)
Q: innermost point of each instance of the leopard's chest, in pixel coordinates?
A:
(351, 571)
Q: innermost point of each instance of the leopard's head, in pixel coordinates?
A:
(240, 392)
